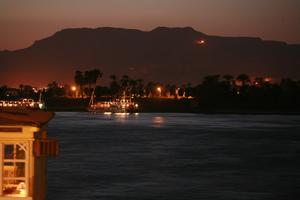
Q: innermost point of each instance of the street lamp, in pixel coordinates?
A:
(73, 89)
(159, 91)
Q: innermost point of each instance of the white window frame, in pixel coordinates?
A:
(25, 161)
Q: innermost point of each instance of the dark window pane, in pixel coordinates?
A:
(8, 151)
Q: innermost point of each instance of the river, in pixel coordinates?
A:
(174, 156)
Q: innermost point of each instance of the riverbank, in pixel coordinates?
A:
(170, 106)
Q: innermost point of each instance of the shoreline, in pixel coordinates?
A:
(220, 112)
(176, 106)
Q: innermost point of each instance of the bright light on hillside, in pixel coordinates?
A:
(200, 42)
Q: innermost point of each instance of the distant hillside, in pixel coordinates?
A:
(163, 54)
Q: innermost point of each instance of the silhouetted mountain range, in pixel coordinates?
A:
(169, 55)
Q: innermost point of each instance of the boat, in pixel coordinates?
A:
(22, 103)
(120, 105)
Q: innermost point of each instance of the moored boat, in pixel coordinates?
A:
(118, 105)
(122, 105)
(22, 103)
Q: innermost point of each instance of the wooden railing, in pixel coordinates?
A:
(46, 147)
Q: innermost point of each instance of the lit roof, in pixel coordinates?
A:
(35, 118)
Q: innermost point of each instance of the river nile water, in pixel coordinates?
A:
(175, 156)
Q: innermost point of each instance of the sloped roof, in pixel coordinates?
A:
(24, 117)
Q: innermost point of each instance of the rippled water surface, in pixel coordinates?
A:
(175, 156)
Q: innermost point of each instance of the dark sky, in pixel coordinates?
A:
(23, 21)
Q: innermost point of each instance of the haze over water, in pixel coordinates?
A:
(175, 156)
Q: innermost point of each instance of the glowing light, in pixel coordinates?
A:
(159, 90)
(268, 79)
(73, 88)
(35, 90)
(107, 113)
(122, 114)
(41, 106)
(200, 42)
(158, 121)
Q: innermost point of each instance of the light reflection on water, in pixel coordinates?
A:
(158, 121)
(174, 156)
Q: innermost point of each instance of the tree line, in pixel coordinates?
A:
(214, 91)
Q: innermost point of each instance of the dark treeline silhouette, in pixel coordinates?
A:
(123, 86)
(24, 91)
(88, 78)
(215, 92)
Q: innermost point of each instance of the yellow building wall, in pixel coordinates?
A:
(36, 166)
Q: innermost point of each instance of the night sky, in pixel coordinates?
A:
(23, 22)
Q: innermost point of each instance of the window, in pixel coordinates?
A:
(14, 177)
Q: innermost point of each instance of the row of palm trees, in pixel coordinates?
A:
(241, 80)
(137, 87)
(126, 84)
(87, 82)
(88, 78)
(244, 79)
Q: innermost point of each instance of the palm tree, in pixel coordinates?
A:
(150, 88)
(91, 77)
(189, 89)
(125, 82)
(133, 86)
(211, 80)
(79, 80)
(21, 87)
(114, 85)
(228, 79)
(140, 86)
(87, 80)
(171, 89)
(95, 74)
(244, 78)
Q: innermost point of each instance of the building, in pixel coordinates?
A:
(24, 149)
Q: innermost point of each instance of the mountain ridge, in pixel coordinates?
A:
(164, 54)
